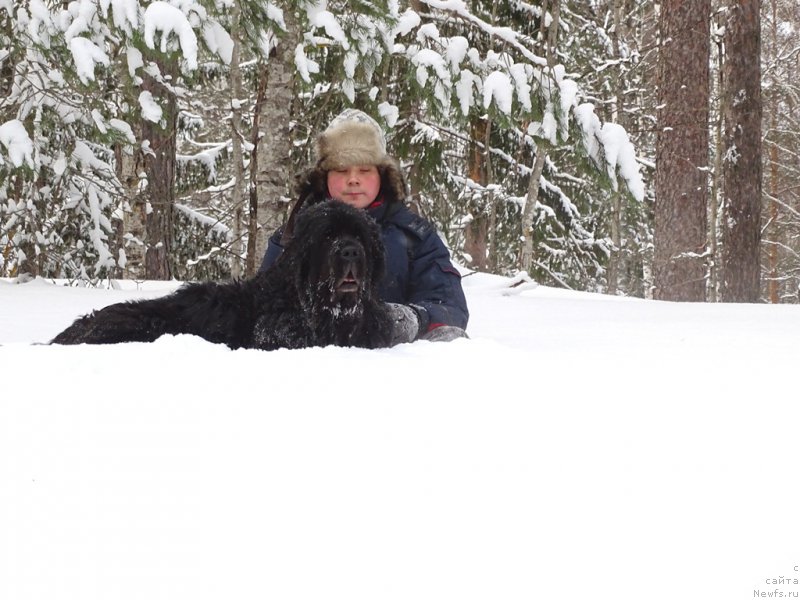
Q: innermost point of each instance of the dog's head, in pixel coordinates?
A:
(340, 255)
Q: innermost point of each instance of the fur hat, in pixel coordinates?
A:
(352, 138)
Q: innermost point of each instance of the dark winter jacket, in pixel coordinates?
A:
(418, 267)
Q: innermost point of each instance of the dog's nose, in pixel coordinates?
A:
(350, 251)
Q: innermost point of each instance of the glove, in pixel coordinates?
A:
(444, 333)
(405, 323)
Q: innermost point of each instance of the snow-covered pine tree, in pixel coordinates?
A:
(460, 91)
(66, 116)
(475, 99)
(301, 63)
(57, 126)
(81, 80)
(421, 69)
(165, 64)
(609, 47)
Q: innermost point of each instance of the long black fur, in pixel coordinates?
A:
(321, 291)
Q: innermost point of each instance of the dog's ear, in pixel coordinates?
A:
(373, 243)
(310, 185)
(300, 247)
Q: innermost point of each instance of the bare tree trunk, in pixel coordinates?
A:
(132, 229)
(252, 261)
(476, 235)
(236, 143)
(741, 234)
(773, 288)
(415, 186)
(526, 252)
(476, 241)
(615, 258)
(128, 164)
(491, 242)
(716, 184)
(681, 182)
(526, 256)
(159, 164)
(491, 201)
(275, 173)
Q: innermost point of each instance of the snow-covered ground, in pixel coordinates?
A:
(578, 446)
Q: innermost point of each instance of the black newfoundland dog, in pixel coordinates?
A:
(320, 292)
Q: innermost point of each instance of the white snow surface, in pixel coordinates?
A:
(577, 446)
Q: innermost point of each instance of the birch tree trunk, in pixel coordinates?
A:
(252, 261)
(772, 230)
(741, 165)
(236, 143)
(274, 151)
(132, 230)
(526, 252)
(681, 182)
(612, 274)
(716, 184)
(526, 261)
(773, 288)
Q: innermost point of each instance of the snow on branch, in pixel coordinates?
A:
(202, 166)
(85, 54)
(621, 155)
(18, 145)
(320, 17)
(206, 222)
(508, 35)
(218, 40)
(163, 17)
(497, 86)
(608, 145)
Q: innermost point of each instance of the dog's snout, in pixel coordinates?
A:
(350, 251)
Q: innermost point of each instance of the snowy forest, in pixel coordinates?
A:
(628, 147)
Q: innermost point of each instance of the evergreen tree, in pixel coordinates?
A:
(467, 98)
(480, 101)
(57, 186)
(81, 87)
(609, 46)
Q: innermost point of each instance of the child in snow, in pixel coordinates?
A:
(421, 284)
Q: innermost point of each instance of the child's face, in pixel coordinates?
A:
(357, 186)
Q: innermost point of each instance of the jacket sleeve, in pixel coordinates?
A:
(435, 284)
(274, 250)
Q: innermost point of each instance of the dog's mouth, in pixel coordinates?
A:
(349, 282)
(347, 285)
